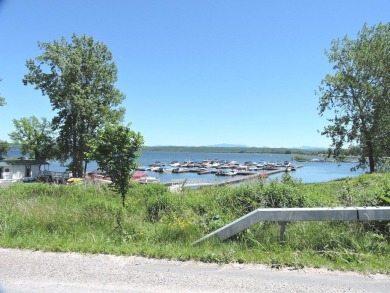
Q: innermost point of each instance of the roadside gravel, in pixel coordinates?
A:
(34, 271)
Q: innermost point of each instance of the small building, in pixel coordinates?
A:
(18, 169)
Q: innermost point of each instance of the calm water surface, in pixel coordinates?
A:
(311, 172)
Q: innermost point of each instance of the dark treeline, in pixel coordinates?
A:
(247, 150)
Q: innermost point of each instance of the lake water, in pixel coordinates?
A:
(311, 172)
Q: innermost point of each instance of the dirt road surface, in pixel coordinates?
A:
(23, 271)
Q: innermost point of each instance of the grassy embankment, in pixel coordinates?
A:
(160, 224)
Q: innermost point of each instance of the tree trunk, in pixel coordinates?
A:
(123, 199)
(370, 153)
(85, 166)
(371, 162)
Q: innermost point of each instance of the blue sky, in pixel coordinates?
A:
(194, 72)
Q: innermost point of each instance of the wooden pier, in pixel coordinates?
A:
(196, 183)
(252, 176)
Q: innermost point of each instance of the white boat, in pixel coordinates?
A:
(174, 164)
(180, 170)
(141, 177)
(215, 165)
(226, 173)
(224, 166)
(261, 165)
(270, 166)
(243, 168)
(187, 164)
(157, 164)
(147, 179)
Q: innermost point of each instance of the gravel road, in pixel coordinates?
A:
(35, 271)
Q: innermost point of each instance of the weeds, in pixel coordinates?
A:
(157, 223)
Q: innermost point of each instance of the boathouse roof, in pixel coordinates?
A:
(21, 162)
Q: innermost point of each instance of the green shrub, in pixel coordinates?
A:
(286, 193)
(147, 190)
(174, 228)
(157, 223)
(245, 199)
(158, 205)
(365, 191)
(283, 193)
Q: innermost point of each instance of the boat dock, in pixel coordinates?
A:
(199, 182)
(235, 180)
(234, 171)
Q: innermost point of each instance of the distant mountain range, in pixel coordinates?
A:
(227, 145)
(311, 148)
(229, 148)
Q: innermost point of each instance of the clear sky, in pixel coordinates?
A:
(194, 72)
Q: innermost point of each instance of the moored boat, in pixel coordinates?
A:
(174, 164)
(226, 173)
(180, 170)
(148, 179)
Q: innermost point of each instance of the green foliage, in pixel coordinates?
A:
(365, 191)
(149, 190)
(160, 205)
(174, 228)
(243, 150)
(78, 77)
(284, 194)
(35, 137)
(115, 150)
(4, 148)
(358, 94)
(157, 223)
(300, 158)
(386, 199)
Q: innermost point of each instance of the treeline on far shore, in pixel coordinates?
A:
(245, 150)
(248, 150)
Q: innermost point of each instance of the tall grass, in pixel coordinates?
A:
(157, 223)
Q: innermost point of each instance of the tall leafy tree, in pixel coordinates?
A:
(4, 148)
(115, 150)
(35, 137)
(78, 77)
(358, 94)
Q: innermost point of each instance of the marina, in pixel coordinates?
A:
(313, 171)
(215, 166)
(230, 181)
(225, 172)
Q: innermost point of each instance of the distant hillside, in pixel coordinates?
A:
(226, 149)
(312, 148)
(227, 145)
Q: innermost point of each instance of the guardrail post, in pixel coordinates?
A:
(283, 231)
